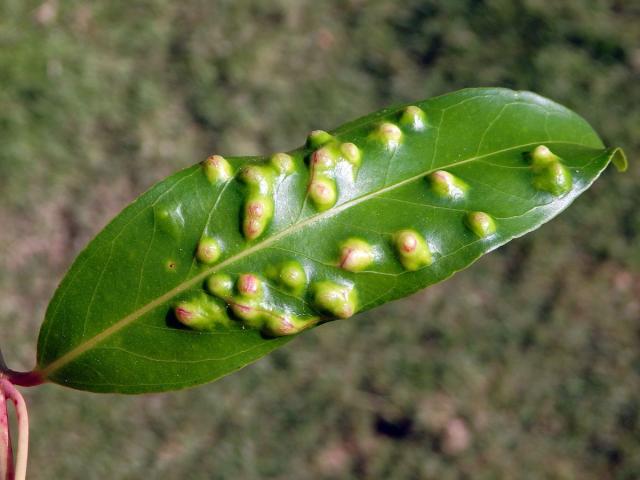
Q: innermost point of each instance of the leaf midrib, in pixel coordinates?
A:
(130, 318)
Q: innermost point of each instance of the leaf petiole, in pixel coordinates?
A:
(23, 379)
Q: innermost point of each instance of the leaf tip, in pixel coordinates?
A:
(619, 159)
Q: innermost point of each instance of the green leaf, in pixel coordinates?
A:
(225, 261)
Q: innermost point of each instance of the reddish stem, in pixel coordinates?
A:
(9, 392)
(8, 377)
(24, 379)
(6, 452)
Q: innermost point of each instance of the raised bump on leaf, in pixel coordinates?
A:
(259, 205)
(283, 163)
(248, 310)
(412, 249)
(481, 223)
(388, 133)
(254, 314)
(445, 184)
(249, 285)
(317, 138)
(323, 192)
(220, 284)
(351, 153)
(217, 169)
(414, 118)
(554, 178)
(549, 174)
(355, 255)
(322, 188)
(292, 276)
(208, 251)
(260, 179)
(200, 312)
(278, 325)
(323, 159)
(170, 219)
(541, 156)
(338, 300)
(258, 212)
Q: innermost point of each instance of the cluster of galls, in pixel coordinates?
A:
(322, 188)
(329, 151)
(260, 179)
(259, 204)
(247, 298)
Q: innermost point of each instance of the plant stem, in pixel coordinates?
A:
(24, 379)
(8, 377)
(6, 454)
(9, 392)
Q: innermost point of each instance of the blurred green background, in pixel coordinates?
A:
(527, 365)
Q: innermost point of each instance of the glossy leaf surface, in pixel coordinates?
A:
(219, 264)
